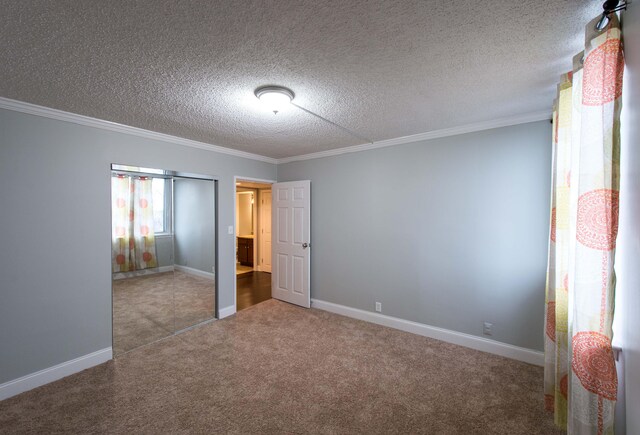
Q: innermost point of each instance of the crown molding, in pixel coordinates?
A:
(435, 134)
(60, 115)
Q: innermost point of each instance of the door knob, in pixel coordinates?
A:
(306, 245)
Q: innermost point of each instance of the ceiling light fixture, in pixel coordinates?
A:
(279, 97)
(275, 97)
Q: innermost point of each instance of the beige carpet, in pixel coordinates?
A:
(276, 368)
(151, 307)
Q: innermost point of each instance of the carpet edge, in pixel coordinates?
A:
(467, 340)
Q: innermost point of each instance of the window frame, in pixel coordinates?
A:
(167, 229)
(168, 192)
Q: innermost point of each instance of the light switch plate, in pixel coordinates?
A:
(230, 229)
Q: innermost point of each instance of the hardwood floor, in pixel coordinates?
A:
(240, 269)
(253, 288)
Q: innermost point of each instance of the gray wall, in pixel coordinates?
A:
(55, 263)
(164, 250)
(627, 335)
(449, 232)
(194, 218)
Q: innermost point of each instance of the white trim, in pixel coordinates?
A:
(435, 134)
(255, 180)
(261, 228)
(195, 272)
(47, 112)
(42, 377)
(60, 115)
(226, 311)
(471, 341)
(162, 235)
(143, 272)
(256, 236)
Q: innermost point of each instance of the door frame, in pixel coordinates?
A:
(260, 226)
(235, 208)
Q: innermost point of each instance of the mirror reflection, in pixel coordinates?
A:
(194, 232)
(163, 254)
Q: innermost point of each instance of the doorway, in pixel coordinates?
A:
(253, 241)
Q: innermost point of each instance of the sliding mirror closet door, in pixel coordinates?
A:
(194, 231)
(141, 257)
(163, 247)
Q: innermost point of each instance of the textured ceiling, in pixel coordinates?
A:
(383, 69)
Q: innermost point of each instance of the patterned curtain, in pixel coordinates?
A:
(133, 244)
(580, 380)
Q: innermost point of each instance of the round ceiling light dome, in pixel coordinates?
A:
(275, 97)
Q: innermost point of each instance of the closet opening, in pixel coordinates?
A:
(163, 254)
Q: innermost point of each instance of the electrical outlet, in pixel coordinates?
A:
(378, 307)
(487, 328)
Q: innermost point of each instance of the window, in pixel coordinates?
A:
(161, 195)
(161, 205)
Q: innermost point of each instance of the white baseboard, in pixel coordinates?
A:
(42, 377)
(459, 338)
(195, 272)
(226, 312)
(143, 272)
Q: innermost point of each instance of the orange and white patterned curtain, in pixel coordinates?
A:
(133, 245)
(580, 380)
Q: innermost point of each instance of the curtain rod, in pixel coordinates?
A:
(609, 7)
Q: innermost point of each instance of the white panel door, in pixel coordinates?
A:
(291, 211)
(265, 231)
